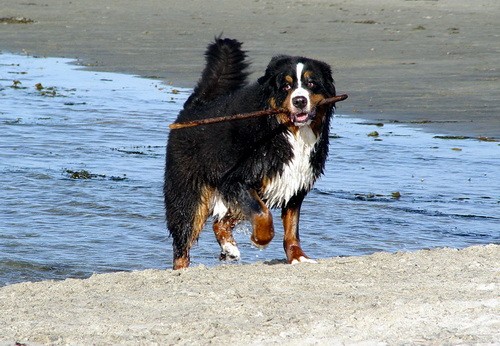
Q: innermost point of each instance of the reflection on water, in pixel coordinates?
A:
(81, 168)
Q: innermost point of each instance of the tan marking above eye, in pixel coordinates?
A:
(289, 79)
(308, 74)
(272, 102)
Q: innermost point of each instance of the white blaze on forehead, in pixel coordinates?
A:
(300, 91)
(299, 69)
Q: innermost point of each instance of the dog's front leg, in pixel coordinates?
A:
(291, 241)
(262, 222)
(247, 202)
(223, 230)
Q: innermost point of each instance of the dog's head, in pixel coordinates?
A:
(298, 84)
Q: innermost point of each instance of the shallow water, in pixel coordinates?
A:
(112, 129)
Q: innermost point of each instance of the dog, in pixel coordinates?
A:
(239, 170)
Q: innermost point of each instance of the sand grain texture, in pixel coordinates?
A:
(438, 296)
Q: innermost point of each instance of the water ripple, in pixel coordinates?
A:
(81, 169)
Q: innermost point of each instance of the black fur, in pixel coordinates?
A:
(233, 158)
(225, 71)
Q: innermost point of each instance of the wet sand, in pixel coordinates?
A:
(431, 62)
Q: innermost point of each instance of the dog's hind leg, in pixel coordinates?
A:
(223, 230)
(185, 227)
(291, 241)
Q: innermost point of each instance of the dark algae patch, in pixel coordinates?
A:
(452, 137)
(367, 21)
(16, 20)
(146, 150)
(421, 121)
(49, 91)
(377, 197)
(17, 84)
(84, 175)
(481, 138)
(378, 124)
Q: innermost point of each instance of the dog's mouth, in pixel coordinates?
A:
(302, 118)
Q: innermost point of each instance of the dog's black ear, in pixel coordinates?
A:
(272, 68)
(329, 83)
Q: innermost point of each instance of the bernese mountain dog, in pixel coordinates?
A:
(239, 170)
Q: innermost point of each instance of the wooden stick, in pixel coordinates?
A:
(241, 116)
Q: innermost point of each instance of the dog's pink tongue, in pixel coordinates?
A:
(301, 117)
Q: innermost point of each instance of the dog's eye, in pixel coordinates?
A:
(311, 84)
(287, 87)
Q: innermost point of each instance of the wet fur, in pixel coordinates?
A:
(230, 164)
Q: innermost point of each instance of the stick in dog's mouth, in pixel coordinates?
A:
(182, 125)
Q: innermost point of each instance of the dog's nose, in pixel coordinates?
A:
(299, 101)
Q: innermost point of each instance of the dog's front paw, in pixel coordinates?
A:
(259, 245)
(229, 252)
(302, 259)
(263, 230)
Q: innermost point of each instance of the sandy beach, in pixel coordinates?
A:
(426, 298)
(428, 64)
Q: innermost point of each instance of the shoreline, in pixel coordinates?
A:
(426, 64)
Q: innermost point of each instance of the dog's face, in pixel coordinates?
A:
(297, 84)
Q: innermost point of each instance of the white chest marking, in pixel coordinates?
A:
(297, 174)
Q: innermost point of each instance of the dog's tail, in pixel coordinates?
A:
(225, 71)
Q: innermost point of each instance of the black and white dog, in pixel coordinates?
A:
(238, 170)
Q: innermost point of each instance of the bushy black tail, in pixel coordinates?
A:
(225, 71)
